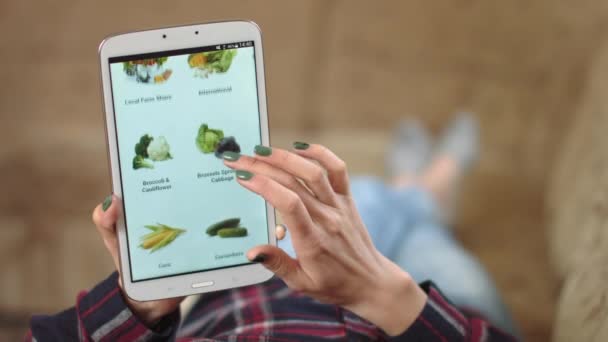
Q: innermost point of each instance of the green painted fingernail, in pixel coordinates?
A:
(262, 150)
(298, 145)
(244, 175)
(231, 156)
(107, 203)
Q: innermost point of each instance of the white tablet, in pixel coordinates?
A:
(175, 100)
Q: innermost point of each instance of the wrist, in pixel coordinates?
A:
(393, 303)
(149, 313)
(146, 313)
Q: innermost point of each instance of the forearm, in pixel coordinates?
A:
(407, 311)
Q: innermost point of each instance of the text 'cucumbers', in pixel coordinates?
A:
(227, 223)
(232, 232)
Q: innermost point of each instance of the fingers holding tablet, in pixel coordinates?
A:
(258, 166)
(281, 264)
(283, 199)
(104, 217)
(312, 174)
(336, 167)
(323, 192)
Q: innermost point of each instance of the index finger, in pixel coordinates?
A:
(287, 202)
(336, 167)
(312, 174)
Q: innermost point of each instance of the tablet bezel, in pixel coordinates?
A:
(166, 39)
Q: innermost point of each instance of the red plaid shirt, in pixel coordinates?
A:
(265, 312)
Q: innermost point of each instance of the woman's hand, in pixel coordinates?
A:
(336, 260)
(149, 312)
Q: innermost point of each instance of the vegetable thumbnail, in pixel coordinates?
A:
(154, 149)
(227, 144)
(158, 149)
(227, 228)
(231, 222)
(232, 232)
(209, 140)
(161, 236)
(149, 70)
(140, 163)
(206, 63)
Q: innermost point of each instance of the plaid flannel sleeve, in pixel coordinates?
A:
(442, 321)
(100, 314)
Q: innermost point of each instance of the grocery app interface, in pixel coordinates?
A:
(176, 113)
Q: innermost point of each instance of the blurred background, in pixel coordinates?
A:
(340, 73)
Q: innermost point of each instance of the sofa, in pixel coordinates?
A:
(578, 215)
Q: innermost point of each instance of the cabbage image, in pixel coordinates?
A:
(208, 138)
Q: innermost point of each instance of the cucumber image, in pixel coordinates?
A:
(227, 223)
(232, 232)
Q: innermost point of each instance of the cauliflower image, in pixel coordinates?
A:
(158, 149)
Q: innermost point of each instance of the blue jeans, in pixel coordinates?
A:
(404, 226)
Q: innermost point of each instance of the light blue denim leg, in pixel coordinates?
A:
(431, 253)
(388, 214)
(405, 226)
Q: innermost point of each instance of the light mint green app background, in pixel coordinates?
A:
(192, 203)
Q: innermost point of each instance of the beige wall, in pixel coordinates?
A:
(337, 71)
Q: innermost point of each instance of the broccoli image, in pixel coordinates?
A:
(141, 148)
(139, 162)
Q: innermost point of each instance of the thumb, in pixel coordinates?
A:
(277, 261)
(105, 221)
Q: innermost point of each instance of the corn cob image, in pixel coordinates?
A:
(161, 236)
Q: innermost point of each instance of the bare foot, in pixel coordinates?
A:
(441, 177)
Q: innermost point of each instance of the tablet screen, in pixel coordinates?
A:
(176, 113)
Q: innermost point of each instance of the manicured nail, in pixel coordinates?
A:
(244, 175)
(262, 150)
(298, 145)
(231, 156)
(107, 203)
(259, 258)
